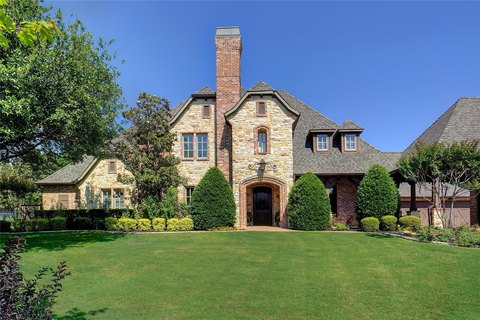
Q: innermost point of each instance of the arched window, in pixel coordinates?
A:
(262, 140)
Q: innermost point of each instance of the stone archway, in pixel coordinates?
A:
(279, 199)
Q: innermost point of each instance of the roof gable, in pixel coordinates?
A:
(71, 173)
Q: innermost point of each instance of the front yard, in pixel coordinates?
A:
(257, 275)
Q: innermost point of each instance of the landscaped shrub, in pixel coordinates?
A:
(339, 226)
(150, 207)
(5, 226)
(41, 224)
(389, 223)
(466, 237)
(98, 224)
(126, 224)
(308, 204)
(18, 225)
(443, 235)
(144, 225)
(58, 223)
(370, 224)
(411, 223)
(184, 224)
(83, 223)
(111, 224)
(169, 204)
(29, 225)
(377, 194)
(158, 224)
(212, 202)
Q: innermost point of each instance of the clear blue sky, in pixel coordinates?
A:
(391, 67)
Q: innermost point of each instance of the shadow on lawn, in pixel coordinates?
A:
(379, 236)
(53, 241)
(76, 314)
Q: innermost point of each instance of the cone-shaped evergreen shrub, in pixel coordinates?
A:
(308, 204)
(377, 194)
(212, 202)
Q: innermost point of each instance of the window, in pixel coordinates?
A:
(63, 201)
(118, 199)
(106, 199)
(261, 109)
(206, 112)
(202, 146)
(188, 146)
(188, 195)
(350, 142)
(322, 142)
(112, 166)
(262, 141)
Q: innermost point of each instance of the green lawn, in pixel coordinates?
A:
(258, 275)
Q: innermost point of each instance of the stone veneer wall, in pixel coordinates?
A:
(192, 121)
(50, 195)
(346, 194)
(97, 179)
(244, 121)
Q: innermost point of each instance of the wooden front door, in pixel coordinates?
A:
(262, 206)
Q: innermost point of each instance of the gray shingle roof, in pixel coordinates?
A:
(70, 174)
(261, 86)
(460, 122)
(350, 125)
(205, 90)
(426, 191)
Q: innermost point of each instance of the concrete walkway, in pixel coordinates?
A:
(268, 228)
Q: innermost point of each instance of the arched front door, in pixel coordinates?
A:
(262, 206)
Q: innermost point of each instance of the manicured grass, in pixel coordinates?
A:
(258, 275)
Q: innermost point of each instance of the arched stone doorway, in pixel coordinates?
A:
(263, 202)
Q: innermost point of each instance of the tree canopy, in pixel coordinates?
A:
(59, 98)
(146, 147)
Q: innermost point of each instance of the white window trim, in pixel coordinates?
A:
(326, 142)
(354, 142)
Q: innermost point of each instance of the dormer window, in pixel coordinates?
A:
(261, 109)
(206, 112)
(350, 142)
(322, 142)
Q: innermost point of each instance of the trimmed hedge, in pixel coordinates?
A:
(58, 223)
(377, 194)
(83, 223)
(41, 224)
(126, 224)
(144, 225)
(389, 223)
(370, 224)
(89, 213)
(111, 224)
(309, 204)
(213, 204)
(158, 224)
(411, 223)
(184, 224)
(5, 226)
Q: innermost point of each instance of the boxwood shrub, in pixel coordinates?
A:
(98, 223)
(111, 224)
(126, 224)
(389, 223)
(58, 223)
(370, 224)
(41, 224)
(411, 223)
(144, 225)
(184, 224)
(308, 204)
(82, 223)
(158, 224)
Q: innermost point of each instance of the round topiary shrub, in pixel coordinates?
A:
(377, 194)
(308, 204)
(370, 224)
(389, 223)
(411, 223)
(213, 204)
(144, 225)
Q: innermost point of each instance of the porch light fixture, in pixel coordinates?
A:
(262, 165)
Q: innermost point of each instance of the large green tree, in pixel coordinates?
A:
(309, 204)
(377, 195)
(17, 186)
(58, 98)
(146, 147)
(449, 171)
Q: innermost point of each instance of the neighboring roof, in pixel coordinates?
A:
(70, 174)
(349, 125)
(460, 122)
(426, 191)
(335, 162)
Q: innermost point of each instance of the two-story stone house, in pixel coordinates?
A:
(262, 139)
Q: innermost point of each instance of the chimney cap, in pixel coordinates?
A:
(232, 31)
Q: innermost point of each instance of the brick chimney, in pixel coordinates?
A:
(228, 44)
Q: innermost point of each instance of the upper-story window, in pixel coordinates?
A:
(112, 166)
(262, 141)
(202, 145)
(187, 145)
(350, 142)
(322, 142)
(261, 109)
(206, 112)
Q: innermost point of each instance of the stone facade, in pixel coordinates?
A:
(193, 122)
(54, 197)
